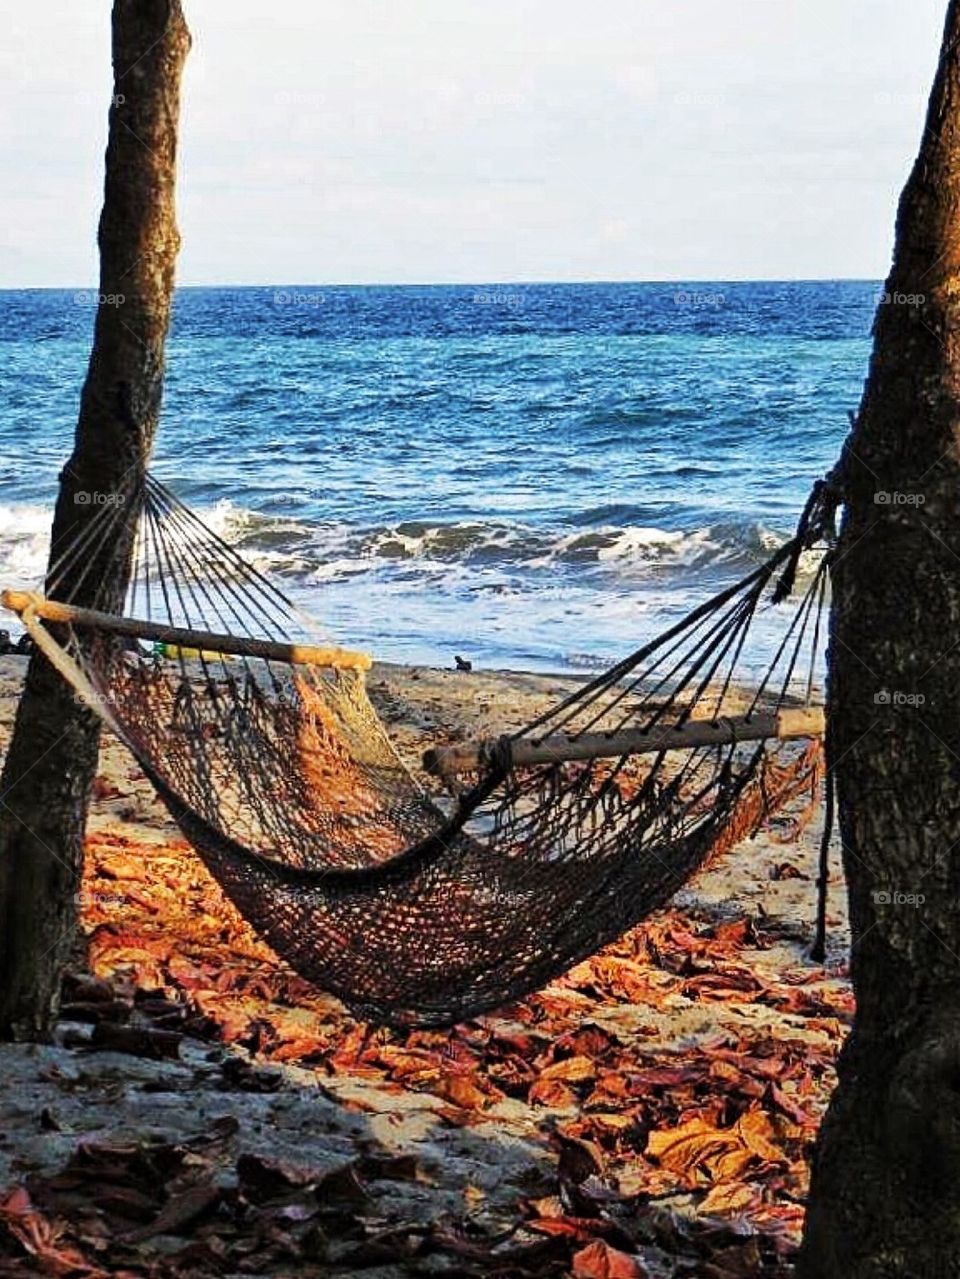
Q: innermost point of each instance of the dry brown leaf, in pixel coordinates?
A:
(728, 1198)
(575, 1070)
(462, 1092)
(699, 1149)
(473, 1196)
(573, 1228)
(756, 1132)
(728, 1165)
(614, 1122)
(599, 1261)
(41, 1239)
(549, 1206)
(683, 1148)
(552, 1092)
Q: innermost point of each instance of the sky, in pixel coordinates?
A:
(410, 141)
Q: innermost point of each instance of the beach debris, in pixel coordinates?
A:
(40, 1239)
(722, 1122)
(671, 1087)
(599, 1261)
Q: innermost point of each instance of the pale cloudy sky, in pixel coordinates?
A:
(339, 141)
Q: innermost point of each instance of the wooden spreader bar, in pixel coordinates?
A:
(786, 724)
(182, 637)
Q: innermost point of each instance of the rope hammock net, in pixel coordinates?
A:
(417, 904)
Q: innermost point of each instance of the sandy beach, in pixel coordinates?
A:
(680, 1075)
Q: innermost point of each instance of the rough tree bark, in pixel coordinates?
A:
(52, 757)
(885, 1198)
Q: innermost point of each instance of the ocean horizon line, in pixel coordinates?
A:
(667, 282)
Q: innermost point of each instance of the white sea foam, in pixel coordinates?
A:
(338, 551)
(24, 543)
(585, 595)
(477, 555)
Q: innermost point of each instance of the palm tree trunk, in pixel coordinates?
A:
(885, 1197)
(51, 762)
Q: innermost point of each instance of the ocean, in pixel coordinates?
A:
(531, 476)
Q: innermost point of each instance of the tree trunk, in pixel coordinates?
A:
(885, 1199)
(51, 763)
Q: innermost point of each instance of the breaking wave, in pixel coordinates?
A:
(329, 550)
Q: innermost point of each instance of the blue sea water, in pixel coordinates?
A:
(533, 476)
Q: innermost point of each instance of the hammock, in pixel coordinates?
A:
(424, 899)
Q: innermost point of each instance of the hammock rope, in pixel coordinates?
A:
(415, 904)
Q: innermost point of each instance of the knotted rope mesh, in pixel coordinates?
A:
(412, 906)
